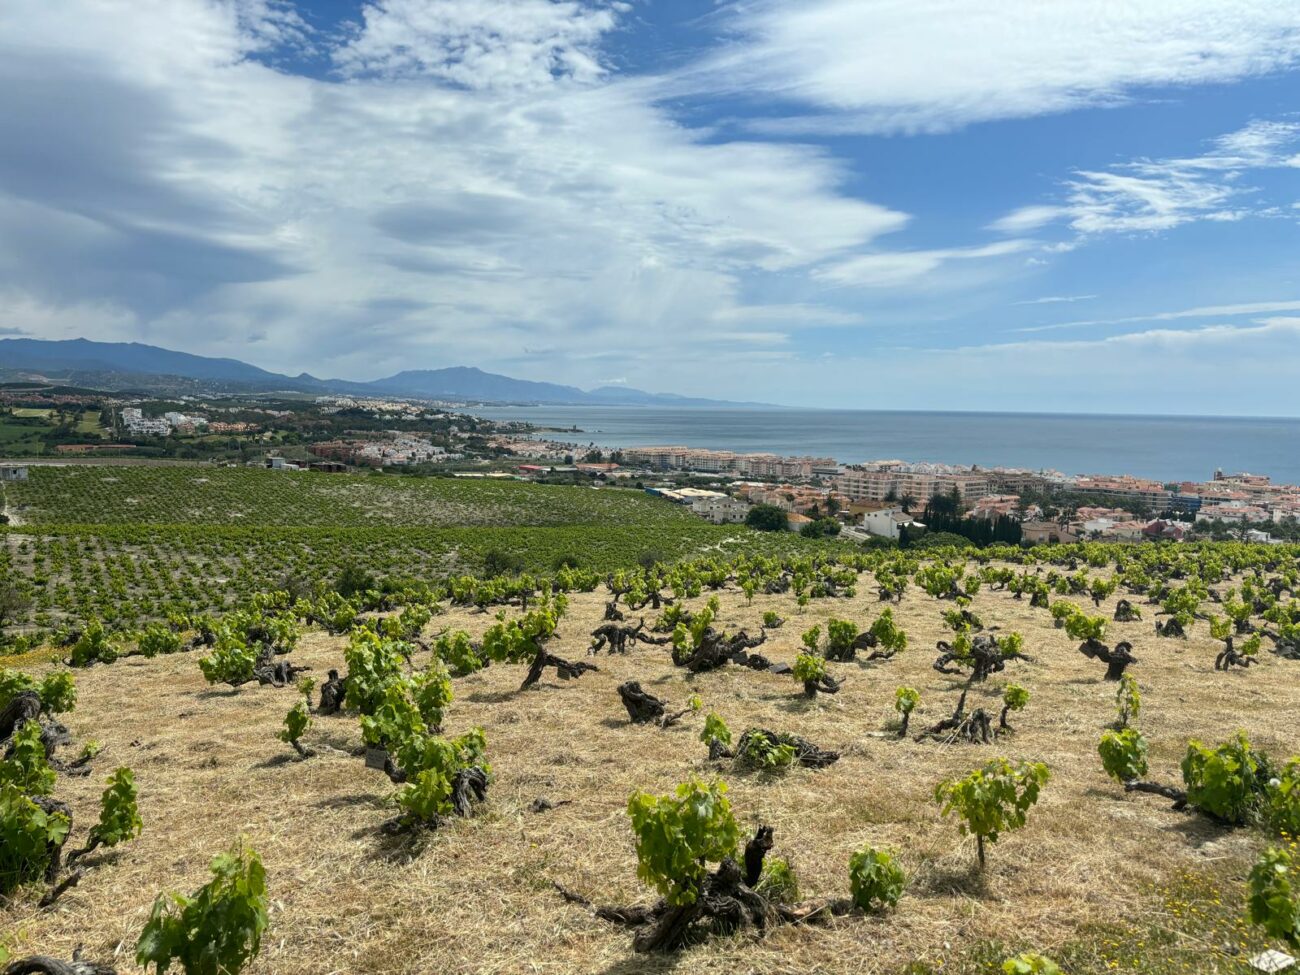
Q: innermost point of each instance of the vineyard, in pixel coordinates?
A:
(91, 495)
(1070, 759)
(129, 544)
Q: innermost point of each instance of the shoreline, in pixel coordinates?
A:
(1170, 450)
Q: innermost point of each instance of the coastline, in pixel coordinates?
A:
(1167, 448)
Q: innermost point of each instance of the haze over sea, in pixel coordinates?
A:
(1168, 448)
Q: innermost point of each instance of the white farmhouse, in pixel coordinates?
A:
(887, 522)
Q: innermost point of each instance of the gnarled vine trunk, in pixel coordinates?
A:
(1117, 660)
(564, 669)
(725, 903)
(332, 693)
(975, 728)
(1125, 613)
(45, 965)
(642, 707)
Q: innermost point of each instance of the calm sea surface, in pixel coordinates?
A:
(1163, 447)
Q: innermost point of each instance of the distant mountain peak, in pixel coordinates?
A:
(120, 365)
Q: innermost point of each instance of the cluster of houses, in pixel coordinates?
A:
(397, 449)
(385, 409)
(1100, 524)
(139, 425)
(173, 421)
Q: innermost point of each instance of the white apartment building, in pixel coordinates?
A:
(918, 482)
(137, 423)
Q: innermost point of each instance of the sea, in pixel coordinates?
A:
(1166, 448)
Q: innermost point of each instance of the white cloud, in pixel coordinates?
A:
(1159, 198)
(1148, 196)
(877, 65)
(474, 183)
(891, 269)
(1205, 311)
(1025, 219)
(480, 43)
(1161, 339)
(1055, 300)
(457, 199)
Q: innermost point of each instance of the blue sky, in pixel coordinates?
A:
(939, 204)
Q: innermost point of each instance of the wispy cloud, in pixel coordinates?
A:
(1055, 300)
(1148, 195)
(889, 269)
(929, 65)
(1167, 338)
(791, 315)
(1206, 311)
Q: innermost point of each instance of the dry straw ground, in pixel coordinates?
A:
(476, 895)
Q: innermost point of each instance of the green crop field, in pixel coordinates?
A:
(20, 438)
(89, 494)
(128, 544)
(89, 425)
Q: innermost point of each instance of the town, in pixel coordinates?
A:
(887, 498)
(880, 502)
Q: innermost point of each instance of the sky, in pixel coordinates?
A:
(1081, 206)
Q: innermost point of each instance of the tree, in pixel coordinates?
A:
(767, 518)
(820, 528)
(500, 563)
(993, 799)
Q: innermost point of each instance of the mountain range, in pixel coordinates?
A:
(148, 368)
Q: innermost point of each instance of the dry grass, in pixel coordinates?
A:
(475, 896)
